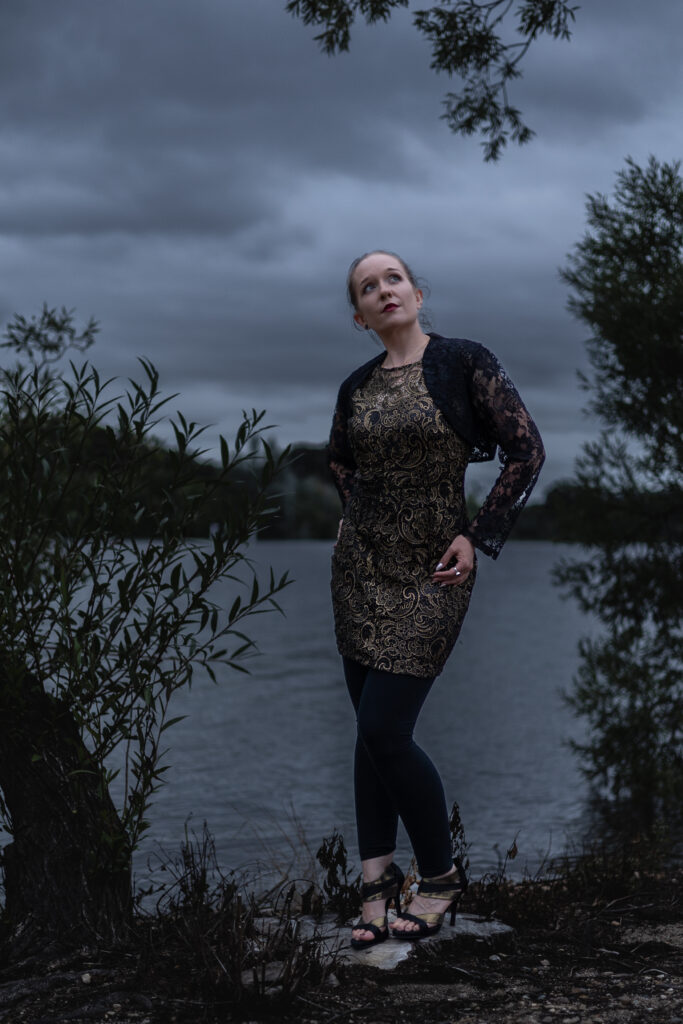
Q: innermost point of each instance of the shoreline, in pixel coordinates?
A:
(600, 941)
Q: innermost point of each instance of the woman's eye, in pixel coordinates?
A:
(367, 287)
(394, 277)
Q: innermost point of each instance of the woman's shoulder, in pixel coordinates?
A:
(357, 376)
(461, 350)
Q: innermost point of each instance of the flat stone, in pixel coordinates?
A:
(386, 955)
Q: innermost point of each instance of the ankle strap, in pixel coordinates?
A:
(440, 890)
(446, 888)
(391, 877)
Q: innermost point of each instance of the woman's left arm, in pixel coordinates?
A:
(507, 420)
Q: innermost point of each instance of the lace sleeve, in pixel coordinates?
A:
(340, 457)
(505, 417)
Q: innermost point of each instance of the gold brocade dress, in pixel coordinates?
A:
(406, 507)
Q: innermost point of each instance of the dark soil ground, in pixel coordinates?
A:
(602, 943)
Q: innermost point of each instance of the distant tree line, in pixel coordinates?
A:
(304, 502)
(309, 505)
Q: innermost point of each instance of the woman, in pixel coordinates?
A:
(405, 427)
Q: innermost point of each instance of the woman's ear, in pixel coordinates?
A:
(359, 320)
(419, 297)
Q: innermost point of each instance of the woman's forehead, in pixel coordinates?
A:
(376, 262)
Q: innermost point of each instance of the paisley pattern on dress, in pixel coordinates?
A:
(480, 403)
(405, 507)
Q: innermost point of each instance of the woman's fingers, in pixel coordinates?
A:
(456, 563)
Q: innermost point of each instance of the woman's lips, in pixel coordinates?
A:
(389, 306)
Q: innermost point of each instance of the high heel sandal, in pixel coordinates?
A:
(451, 888)
(387, 888)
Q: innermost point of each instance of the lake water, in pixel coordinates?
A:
(263, 756)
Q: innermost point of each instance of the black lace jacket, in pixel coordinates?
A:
(478, 399)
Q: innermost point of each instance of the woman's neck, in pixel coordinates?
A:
(404, 346)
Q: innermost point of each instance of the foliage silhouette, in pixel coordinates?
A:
(626, 277)
(99, 627)
(470, 39)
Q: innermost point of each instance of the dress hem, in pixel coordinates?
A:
(400, 670)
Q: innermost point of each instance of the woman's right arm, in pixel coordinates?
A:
(340, 457)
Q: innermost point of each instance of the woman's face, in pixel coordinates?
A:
(385, 296)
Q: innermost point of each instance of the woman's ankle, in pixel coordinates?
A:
(453, 870)
(374, 867)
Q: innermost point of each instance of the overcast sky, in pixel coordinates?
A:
(198, 176)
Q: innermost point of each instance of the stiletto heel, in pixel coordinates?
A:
(451, 888)
(387, 888)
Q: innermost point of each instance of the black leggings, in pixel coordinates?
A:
(393, 777)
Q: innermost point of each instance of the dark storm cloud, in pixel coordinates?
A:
(198, 176)
(622, 63)
(126, 194)
(167, 101)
